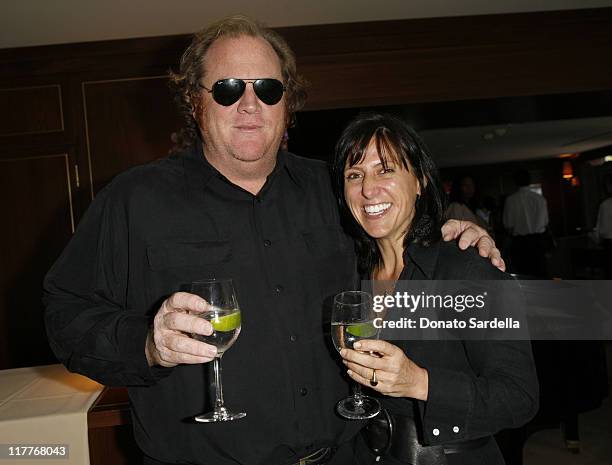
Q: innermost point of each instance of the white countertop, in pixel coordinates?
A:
(46, 405)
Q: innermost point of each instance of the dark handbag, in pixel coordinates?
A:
(397, 436)
(378, 432)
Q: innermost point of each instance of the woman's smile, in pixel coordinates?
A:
(376, 210)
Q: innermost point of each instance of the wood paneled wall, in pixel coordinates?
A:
(75, 115)
(38, 219)
(440, 59)
(114, 112)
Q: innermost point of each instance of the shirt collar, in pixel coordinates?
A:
(198, 169)
(289, 162)
(420, 261)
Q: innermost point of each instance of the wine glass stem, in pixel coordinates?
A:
(357, 396)
(218, 384)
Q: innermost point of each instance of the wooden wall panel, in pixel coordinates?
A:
(411, 76)
(457, 33)
(37, 115)
(448, 59)
(37, 217)
(403, 61)
(31, 110)
(113, 445)
(109, 424)
(128, 122)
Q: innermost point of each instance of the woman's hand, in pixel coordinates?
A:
(397, 375)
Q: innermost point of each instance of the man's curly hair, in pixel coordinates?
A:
(185, 82)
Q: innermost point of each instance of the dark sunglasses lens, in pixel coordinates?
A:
(269, 91)
(228, 91)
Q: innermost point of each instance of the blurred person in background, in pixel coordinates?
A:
(526, 221)
(465, 203)
(603, 230)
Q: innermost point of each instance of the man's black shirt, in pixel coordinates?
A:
(158, 227)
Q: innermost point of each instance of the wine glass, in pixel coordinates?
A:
(224, 315)
(353, 320)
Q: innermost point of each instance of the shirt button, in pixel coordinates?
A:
(267, 243)
(303, 391)
(455, 429)
(436, 432)
(293, 338)
(278, 289)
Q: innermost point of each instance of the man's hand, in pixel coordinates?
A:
(168, 341)
(472, 235)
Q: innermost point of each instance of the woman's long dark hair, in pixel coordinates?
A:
(396, 140)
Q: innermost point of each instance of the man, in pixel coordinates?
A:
(526, 220)
(603, 230)
(230, 205)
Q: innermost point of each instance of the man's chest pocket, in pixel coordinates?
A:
(179, 264)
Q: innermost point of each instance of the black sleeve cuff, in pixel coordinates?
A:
(132, 350)
(448, 404)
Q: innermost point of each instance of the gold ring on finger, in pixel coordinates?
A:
(373, 380)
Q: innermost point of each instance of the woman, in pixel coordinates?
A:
(446, 398)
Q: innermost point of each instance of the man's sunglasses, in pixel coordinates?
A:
(226, 92)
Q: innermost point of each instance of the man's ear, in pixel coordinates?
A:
(196, 105)
(289, 118)
(194, 110)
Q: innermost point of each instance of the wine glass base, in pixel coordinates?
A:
(363, 409)
(219, 415)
